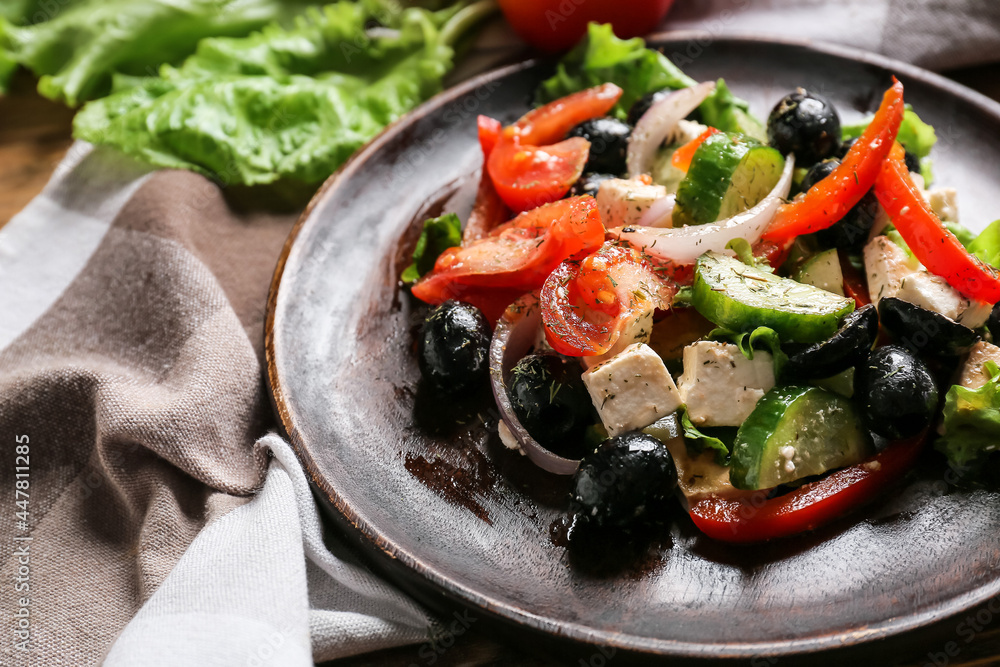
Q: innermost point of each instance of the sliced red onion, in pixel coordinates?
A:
(660, 213)
(514, 335)
(684, 245)
(659, 122)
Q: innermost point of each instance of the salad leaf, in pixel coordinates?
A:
(281, 103)
(602, 57)
(986, 246)
(700, 441)
(971, 424)
(76, 51)
(748, 341)
(725, 111)
(438, 235)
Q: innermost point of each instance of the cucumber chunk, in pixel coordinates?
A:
(823, 270)
(741, 298)
(795, 432)
(729, 174)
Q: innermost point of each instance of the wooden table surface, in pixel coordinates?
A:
(35, 134)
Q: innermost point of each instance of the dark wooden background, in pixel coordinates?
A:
(34, 136)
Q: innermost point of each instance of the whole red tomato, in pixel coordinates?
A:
(556, 25)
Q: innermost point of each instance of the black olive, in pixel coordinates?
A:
(923, 331)
(897, 392)
(642, 105)
(608, 139)
(849, 347)
(912, 161)
(993, 324)
(454, 346)
(552, 403)
(589, 184)
(626, 479)
(851, 232)
(805, 124)
(818, 172)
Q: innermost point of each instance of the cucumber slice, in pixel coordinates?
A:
(823, 270)
(795, 432)
(663, 172)
(741, 298)
(729, 173)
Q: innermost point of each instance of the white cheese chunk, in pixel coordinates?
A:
(686, 131)
(944, 203)
(720, 387)
(622, 202)
(637, 330)
(931, 293)
(507, 437)
(974, 373)
(631, 390)
(886, 264)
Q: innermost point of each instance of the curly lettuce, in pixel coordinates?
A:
(77, 47)
(602, 57)
(971, 421)
(282, 103)
(438, 235)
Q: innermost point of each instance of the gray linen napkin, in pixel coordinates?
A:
(131, 311)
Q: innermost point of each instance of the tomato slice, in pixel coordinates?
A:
(682, 156)
(933, 245)
(588, 303)
(518, 255)
(527, 167)
(488, 213)
(549, 123)
(753, 518)
(489, 133)
(829, 200)
(529, 176)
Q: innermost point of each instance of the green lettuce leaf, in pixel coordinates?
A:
(281, 103)
(438, 235)
(78, 50)
(699, 441)
(986, 246)
(971, 424)
(602, 57)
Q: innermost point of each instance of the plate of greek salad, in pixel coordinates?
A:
(684, 352)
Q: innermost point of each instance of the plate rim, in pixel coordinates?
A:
(461, 593)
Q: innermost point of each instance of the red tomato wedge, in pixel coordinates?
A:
(754, 518)
(518, 255)
(682, 156)
(528, 167)
(488, 213)
(529, 176)
(829, 200)
(933, 245)
(588, 303)
(489, 133)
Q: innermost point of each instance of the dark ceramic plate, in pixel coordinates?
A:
(444, 508)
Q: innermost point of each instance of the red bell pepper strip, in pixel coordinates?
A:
(933, 245)
(489, 211)
(754, 517)
(682, 156)
(829, 200)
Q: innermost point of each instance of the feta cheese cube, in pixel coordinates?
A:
(637, 330)
(974, 375)
(975, 314)
(720, 387)
(631, 390)
(622, 202)
(931, 293)
(686, 131)
(944, 203)
(886, 264)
